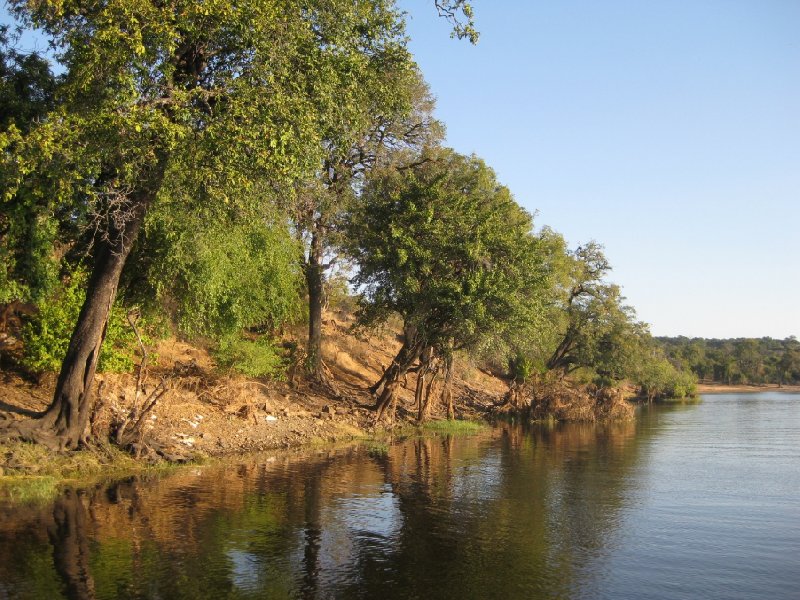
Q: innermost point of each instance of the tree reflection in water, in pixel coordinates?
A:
(497, 514)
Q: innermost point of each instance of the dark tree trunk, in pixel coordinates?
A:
(422, 392)
(406, 357)
(63, 425)
(447, 391)
(315, 280)
(560, 357)
(512, 397)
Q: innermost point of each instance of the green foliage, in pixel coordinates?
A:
(28, 267)
(445, 246)
(461, 15)
(590, 326)
(658, 378)
(521, 368)
(47, 335)
(27, 85)
(339, 296)
(254, 358)
(530, 331)
(214, 110)
(735, 361)
(222, 275)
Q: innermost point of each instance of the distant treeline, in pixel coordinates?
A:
(740, 360)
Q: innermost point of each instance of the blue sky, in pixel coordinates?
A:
(667, 131)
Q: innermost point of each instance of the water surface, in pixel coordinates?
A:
(697, 500)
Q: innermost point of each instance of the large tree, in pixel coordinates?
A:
(443, 245)
(230, 93)
(396, 115)
(592, 327)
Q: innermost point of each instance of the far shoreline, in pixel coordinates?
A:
(720, 388)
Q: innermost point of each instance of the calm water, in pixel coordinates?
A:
(688, 501)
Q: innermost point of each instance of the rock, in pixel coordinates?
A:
(246, 411)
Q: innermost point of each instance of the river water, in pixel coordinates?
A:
(695, 500)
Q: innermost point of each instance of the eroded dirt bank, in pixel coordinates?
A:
(204, 412)
(201, 412)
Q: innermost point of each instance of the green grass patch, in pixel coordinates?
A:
(454, 426)
(376, 448)
(34, 474)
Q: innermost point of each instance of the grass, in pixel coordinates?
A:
(454, 426)
(34, 474)
(26, 489)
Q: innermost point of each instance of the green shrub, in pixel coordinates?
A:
(521, 368)
(254, 358)
(46, 336)
(683, 385)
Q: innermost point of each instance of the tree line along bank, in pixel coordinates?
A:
(216, 171)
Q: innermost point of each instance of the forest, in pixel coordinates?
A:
(220, 172)
(736, 361)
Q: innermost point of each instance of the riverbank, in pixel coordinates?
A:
(200, 413)
(719, 388)
(205, 413)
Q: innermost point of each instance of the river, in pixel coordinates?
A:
(689, 500)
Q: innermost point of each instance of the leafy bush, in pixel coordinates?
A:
(521, 368)
(658, 378)
(46, 336)
(220, 276)
(254, 358)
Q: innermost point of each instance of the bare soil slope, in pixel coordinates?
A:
(207, 412)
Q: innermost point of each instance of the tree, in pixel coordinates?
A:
(395, 114)
(225, 94)
(749, 360)
(27, 94)
(521, 345)
(443, 245)
(788, 366)
(593, 328)
(460, 14)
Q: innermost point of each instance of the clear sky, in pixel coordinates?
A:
(668, 131)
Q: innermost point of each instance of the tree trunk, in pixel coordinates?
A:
(558, 360)
(447, 392)
(419, 391)
(63, 425)
(408, 354)
(512, 395)
(429, 391)
(315, 279)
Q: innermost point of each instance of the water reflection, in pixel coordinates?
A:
(438, 516)
(537, 512)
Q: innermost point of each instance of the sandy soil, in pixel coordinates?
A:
(718, 388)
(208, 413)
